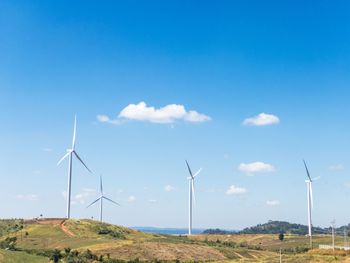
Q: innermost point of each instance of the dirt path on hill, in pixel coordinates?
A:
(65, 230)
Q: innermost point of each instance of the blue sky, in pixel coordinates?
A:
(226, 61)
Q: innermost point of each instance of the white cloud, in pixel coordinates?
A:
(84, 196)
(336, 167)
(47, 150)
(167, 114)
(106, 119)
(255, 167)
(131, 199)
(81, 198)
(272, 202)
(261, 120)
(169, 188)
(152, 201)
(235, 190)
(119, 191)
(193, 116)
(27, 197)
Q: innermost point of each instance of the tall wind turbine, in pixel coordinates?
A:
(310, 201)
(191, 196)
(101, 199)
(70, 153)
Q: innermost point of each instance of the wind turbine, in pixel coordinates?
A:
(310, 201)
(191, 196)
(101, 199)
(70, 153)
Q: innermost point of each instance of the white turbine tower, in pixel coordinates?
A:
(191, 196)
(310, 201)
(101, 199)
(70, 153)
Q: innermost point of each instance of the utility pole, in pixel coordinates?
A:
(280, 255)
(345, 238)
(333, 226)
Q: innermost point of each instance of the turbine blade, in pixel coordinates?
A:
(75, 153)
(74, 131)
(193, 194)
(189, 169)
(307, 171)
(64, 157)
(93, 202)
(110, 200)
(197, 172)
(316, 178)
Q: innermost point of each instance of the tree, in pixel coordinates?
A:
(9, 243)
(281, 236)
(67, 250)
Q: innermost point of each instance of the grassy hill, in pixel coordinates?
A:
(92, 241)
(275, 227)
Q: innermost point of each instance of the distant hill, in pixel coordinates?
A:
(218, 231)
(276, 227)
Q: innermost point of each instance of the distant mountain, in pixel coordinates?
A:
(276, 227)
(218, 231)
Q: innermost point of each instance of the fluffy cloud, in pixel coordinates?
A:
(28, 197)
(106, 119)
(84, 196)
(337, 167)
(256, 167)
(235, 190)
(169, 188)
(261, 120)
(272, 202)
(81, 198)
(131, 199)
(167, 114)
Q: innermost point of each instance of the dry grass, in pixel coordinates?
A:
(131, 244)
(164, 251)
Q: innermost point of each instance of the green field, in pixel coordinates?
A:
(17, 256)
(105, 240)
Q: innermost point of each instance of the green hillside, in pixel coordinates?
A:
(91, 241)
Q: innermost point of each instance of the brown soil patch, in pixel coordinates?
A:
(54, 222)
(164, 251)
(65, 230)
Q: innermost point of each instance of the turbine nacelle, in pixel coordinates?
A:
(312, 180)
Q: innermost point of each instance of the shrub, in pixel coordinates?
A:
(9, 243)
